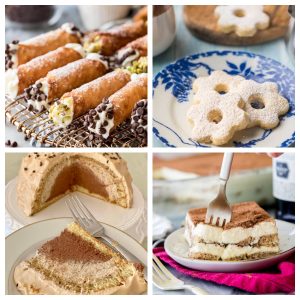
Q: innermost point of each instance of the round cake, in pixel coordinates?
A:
(46, 177)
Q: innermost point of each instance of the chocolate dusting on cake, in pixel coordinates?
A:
(245, 215)
(68, 246)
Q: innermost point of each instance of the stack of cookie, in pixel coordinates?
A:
(224, 104)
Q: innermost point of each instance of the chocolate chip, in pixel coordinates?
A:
(102, 130)
(97, 118)
(39, 85)
(8, 143)
(33, 171)
(25, 169)
(105, 123)
(140, 104)
(14, 144)
(15, 42)
(140, 111)
(30, 107)
(110, 116)
(140, 130)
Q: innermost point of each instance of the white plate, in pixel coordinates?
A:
(24, 242)
(177, 248)
(172, 90)
(122, 218)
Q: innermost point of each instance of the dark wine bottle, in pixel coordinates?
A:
(284, 186)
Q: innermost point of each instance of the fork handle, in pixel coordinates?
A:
(115, 246)
(196, 290)
(226, 166)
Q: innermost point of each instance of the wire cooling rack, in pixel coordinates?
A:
(38, 127)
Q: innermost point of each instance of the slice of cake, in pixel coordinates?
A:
(46, 177)
(251, 234)
(77, 263)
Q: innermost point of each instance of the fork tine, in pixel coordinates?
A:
(214, 220)
(156, 279)
(77, 211)
(159, 272)
(74, 213)
(163, 268)
(82, 209)
(85, 209)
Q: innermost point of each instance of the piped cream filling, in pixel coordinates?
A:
(11, 82)
(76, 47)
(62, 112)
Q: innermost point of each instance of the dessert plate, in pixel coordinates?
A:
(172, 90)
(24, 242)
(106, 212)
(177, 248)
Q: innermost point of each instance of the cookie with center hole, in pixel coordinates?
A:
(263, 103)
(218, 82)
(243, 20)
(217, 117)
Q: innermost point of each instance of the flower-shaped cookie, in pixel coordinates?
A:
(263, 103)
(244, 20)
(218, 82)
(217, 117)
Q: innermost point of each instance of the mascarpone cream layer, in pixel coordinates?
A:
(230, 251)
(214, 234)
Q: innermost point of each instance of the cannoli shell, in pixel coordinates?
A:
(139, 44)
(73, 75)
(38, 67)
(118, 37)
(124, 100)
(44, 43)
(91, 94)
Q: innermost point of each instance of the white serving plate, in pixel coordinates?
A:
(172, 90)
(24, 242)
(122, 218)
(177, 248)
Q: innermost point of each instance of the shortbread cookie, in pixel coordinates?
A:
(217, 117)
(218, 82)
(263, 103)
(244, 20)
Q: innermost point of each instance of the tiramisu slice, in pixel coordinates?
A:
(251, 234)
(77, 263)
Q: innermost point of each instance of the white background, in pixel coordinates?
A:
(148, 150)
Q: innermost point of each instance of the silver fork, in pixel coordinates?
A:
(218, 211)
(88, 222)
(165, 280)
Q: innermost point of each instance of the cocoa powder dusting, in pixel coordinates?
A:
(245, 215)
(69, 246)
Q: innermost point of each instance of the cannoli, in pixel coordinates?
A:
(59, 81)
(132, 52)
(108, 42)
(139, 121)
(18, 53)
(16, 80)
(117, 108)
(142, 14)
(79, 101)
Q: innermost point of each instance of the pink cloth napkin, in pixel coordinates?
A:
(280, 279)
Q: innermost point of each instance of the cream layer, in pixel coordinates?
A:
(214, 234)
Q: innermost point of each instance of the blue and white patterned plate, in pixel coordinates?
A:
(172, 90)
